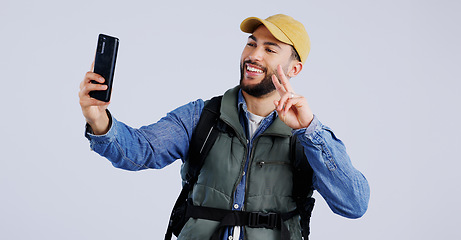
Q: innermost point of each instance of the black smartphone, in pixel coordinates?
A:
(104, 64)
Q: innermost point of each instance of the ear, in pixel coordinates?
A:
(295, 69)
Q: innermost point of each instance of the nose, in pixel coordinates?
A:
(256, 55)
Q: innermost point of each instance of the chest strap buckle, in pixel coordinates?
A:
(263, 220)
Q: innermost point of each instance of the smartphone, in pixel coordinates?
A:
(104, 64)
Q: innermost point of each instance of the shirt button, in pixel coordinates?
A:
(230, 238)
(236, 206)
(243, 174)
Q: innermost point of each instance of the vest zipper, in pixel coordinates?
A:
(242, 168)
(242, 165)
(246, 142)
(250, 161)
(262, 163)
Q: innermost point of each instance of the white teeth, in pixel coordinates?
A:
(252, 69)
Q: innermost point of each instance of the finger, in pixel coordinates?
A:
(280, 103)
(93, 102)
(279, 112)
(276, 103)
(92, 66)
(96, 87)
(291, 102)
(96, 102)
(278, 106)
(283, 101)
(286, 84)
(87, 88)
(288, 105)
(89, 77)
(278, 86)
(87, 100)
(94, 76)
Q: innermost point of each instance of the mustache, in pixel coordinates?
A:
(255, 64)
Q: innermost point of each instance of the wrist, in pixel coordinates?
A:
(101, 125)
(307, 122)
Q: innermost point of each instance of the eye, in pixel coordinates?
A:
(270, 50)
(250, 44)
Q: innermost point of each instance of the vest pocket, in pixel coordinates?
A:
(269, 163)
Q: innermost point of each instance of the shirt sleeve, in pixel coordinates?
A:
(152, 146)
(343, 187)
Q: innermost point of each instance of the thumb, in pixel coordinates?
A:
(277, 103)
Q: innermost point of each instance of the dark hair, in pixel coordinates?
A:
(294, 54)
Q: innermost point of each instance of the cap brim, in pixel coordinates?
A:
(250, 24)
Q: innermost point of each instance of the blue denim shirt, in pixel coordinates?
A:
(344, 188)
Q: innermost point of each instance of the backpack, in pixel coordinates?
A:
(202, 141)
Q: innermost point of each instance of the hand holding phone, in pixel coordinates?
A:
(104, 65)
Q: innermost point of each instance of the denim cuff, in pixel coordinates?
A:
(315, 124)
(105, 138)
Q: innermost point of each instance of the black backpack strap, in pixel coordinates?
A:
(302, 184)
(202, 140)
(203, 137)
(231, 218)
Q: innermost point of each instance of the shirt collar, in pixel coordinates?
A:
(243, 108)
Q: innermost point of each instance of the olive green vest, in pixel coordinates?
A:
(269, 177)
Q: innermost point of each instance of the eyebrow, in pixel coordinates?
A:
(265, 43)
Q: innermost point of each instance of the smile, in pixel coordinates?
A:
(253, 69)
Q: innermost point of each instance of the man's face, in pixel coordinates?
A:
(260, 58)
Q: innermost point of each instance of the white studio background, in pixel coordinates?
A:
(385, 75)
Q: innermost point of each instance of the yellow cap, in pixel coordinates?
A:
(285, 29)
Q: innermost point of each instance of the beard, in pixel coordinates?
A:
(264, 87)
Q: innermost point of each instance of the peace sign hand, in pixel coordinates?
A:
(293, 109)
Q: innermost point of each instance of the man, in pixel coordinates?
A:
(248, 170)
